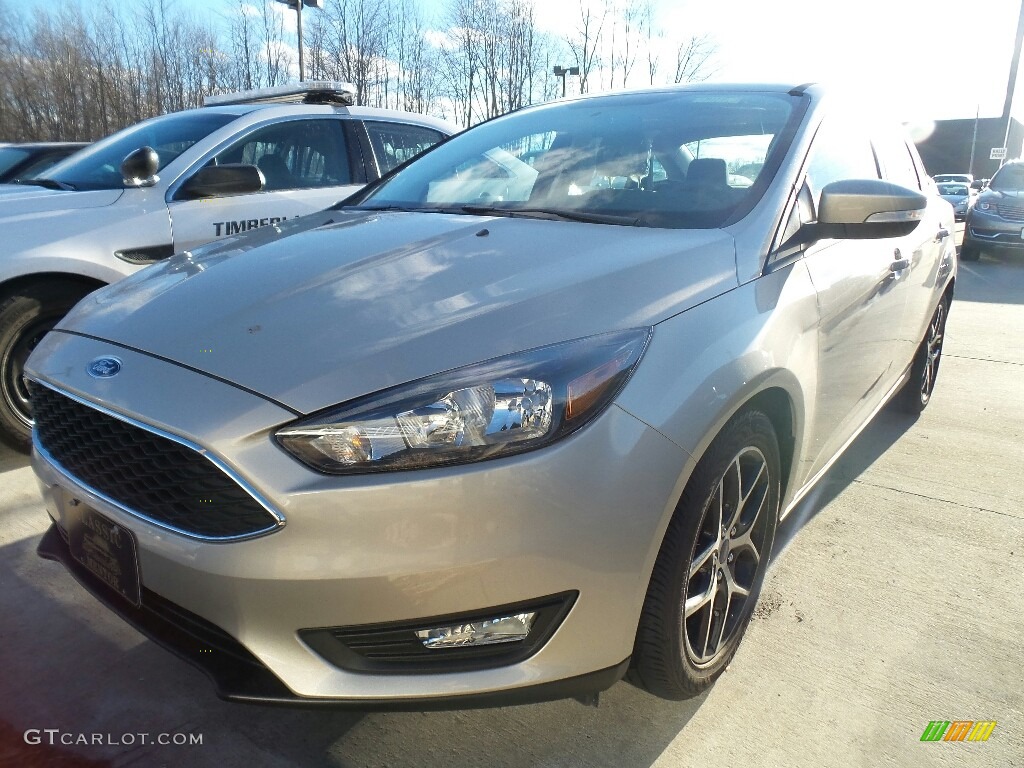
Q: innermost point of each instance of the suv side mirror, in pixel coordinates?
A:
(862, 209)
(222, 181)
(139, 168)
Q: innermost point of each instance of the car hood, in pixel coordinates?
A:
(995, 195)
(367, 301)
(23, 201)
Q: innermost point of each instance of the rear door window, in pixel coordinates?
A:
(394, 143)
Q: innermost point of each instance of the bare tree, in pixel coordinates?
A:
(695, 59)
(585, 43)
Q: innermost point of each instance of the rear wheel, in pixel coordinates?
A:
(24, 319)
(712, 563)
(917, 391)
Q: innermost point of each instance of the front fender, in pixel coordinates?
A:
(704, 365)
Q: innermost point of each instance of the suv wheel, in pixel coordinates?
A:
(712, 562)
(24, 319)
(969, 252)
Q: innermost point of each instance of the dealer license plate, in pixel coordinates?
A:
(107, 549)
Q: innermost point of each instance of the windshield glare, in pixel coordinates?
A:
(99, 166)
(685, 160)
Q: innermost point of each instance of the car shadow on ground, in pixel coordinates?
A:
(888, 426)
(994, 279)
(11, 459)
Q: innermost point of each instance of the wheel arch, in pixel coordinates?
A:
(778, 395)
(11, 286)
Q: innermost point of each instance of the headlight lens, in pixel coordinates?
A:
(987, 205)
(500, 407)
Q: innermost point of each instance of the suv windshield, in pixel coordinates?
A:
(99, 166)
(1009, 178)
(690, 159)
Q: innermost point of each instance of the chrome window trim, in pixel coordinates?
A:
(203, 452)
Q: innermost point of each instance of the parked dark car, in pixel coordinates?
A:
(996, 220)
(25, 161)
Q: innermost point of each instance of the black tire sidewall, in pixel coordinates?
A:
(910, 398)
(18, 313)
(667, 671)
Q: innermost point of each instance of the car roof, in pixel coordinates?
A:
(43, 144)
(286, 110)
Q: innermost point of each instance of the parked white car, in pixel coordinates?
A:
(172, 183)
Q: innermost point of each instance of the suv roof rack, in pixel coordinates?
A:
(308, 92)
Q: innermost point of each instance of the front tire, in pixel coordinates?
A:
(24, 319)
(969, 252)
(711, 564)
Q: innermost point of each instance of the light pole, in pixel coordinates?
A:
(297, 5)
(562, 72)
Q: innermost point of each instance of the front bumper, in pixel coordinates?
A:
(992, 231)
(584, 516)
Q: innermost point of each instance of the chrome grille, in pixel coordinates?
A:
(1014, 211)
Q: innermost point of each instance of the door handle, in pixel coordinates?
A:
(942, 234)
(898, 263)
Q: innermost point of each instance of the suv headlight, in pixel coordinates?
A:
(987, 205)
(496, 408)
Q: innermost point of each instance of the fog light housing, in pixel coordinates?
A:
(457, 642)
(501, 629)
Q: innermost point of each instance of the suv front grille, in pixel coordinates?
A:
(146, 473)
(1014, 211)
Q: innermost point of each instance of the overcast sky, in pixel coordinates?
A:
(922, 59)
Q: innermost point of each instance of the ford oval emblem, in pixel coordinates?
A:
(104, 367)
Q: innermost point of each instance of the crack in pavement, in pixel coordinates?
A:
(983, 359)
(939, 498)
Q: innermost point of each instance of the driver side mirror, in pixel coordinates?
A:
(139, 168)
(222, 181)
(863, 209)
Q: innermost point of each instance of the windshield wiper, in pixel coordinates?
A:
(48, 183)
(552, 214)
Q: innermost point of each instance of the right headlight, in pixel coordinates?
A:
(496, 408)
(991, 206)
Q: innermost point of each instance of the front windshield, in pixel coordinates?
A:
(684, 159)
(99, 166)
(953, 190)
(10, 157)
(1009, 178)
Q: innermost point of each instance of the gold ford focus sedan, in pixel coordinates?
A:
(515, 422)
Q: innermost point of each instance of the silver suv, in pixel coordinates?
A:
(172, 183)
(516, 421)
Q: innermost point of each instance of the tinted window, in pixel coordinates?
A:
(394, 143)
(841, 150)
(298, 154)
(625, 156)
(42, 163)
(99, 166)
(10, 157)
(1009, 178)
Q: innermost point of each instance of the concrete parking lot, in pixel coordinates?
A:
(895, 599)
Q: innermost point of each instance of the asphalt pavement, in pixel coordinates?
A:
(895, 598)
